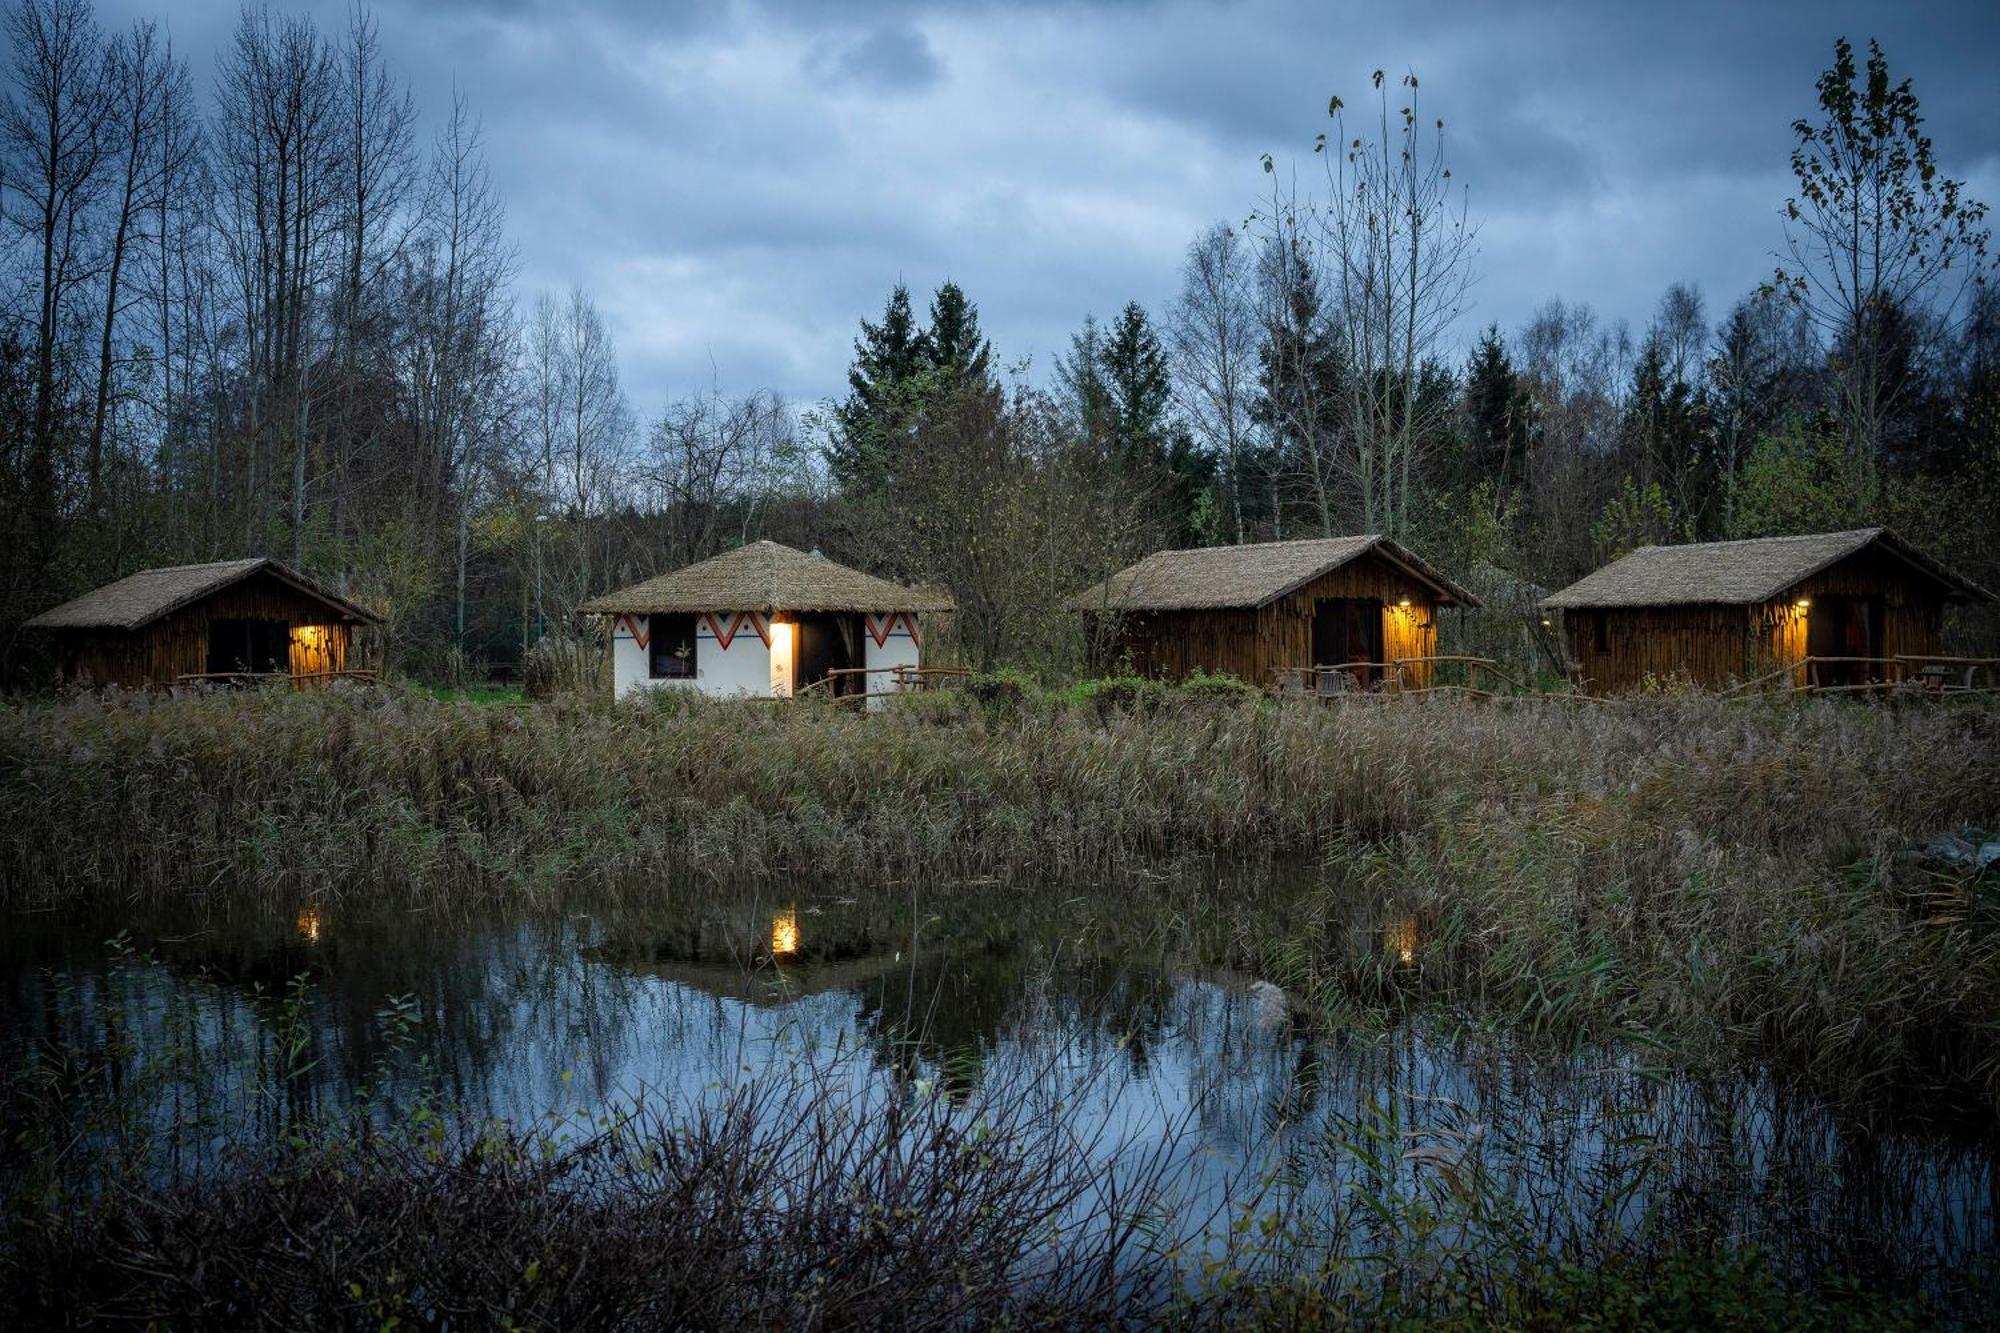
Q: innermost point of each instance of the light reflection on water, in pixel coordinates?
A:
(519, 1019)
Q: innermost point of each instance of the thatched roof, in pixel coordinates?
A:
(1745, 572)
(1213, 578)
(767, 577)
(140, 599)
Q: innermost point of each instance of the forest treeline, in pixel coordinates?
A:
(262, 309)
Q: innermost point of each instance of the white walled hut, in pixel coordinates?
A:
(764, 621)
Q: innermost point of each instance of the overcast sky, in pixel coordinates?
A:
(737, 183)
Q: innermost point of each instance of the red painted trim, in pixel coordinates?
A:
(737, 620)
(643, 637)
(888, 627)
(722, 636)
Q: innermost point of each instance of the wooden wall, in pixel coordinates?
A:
(177, 644)
(1717, 646)
(1254, 643)
(1912, 606)
(1710, 645)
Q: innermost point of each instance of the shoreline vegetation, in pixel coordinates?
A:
(1726, 890)
(1723, 882)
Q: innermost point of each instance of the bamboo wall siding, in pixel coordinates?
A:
(1716, 646)
(1254, 643)
(177, 644)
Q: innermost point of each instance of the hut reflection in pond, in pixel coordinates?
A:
(785, 934)
(1399, 938)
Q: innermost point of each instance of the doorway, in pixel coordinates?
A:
(1844, 627)
(260, 646)
(1349, 629)
(829, 643)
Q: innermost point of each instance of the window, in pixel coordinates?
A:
(670, 647)
(258, 646)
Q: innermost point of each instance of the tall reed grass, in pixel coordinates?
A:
(1713, 880)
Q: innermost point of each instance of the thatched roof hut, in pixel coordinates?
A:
(183, 622)
(1257, 609)
(770, 578)
(765, 620)
(1713, 612)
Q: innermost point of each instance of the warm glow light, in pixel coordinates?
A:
(1399, 936)
(1404, 603)
(785, 934)
(781, 658)
(1803, 603)
(308, 925)
(1546, 622)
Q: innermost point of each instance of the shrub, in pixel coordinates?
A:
(1220, 685)
(1111, 695)
(1003, 692)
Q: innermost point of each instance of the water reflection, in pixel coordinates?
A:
(785, 934)
(581, 1011)
(1399, 938)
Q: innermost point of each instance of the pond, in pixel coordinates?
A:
(221, 1030)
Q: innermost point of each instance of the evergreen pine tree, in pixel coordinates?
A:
(1300, 380)
(889, 359)
(1497, 417)
(1135, 372)
(1081, 382)
(958, 353)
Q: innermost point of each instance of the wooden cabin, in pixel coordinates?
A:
(1823, 609)
(766, 621)
(1256, 611)
(227, 620)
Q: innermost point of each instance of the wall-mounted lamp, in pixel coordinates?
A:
(1404, 602)
(1803, 603)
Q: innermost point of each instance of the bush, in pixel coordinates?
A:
(1110, 696)
(1003, 692)
(1220, 685)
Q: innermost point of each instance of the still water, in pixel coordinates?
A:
(221, 1030)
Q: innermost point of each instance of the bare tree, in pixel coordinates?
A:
(148, 98)
(580, 426)
(281, 165)
(461, 336)
(1880, 248)
(1574, 370)
(1396, 246)
(53, 132)
(1212, 327)
(711, 460)
(177, 275)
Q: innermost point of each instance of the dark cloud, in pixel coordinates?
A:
(890, 59)
(739, 181)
